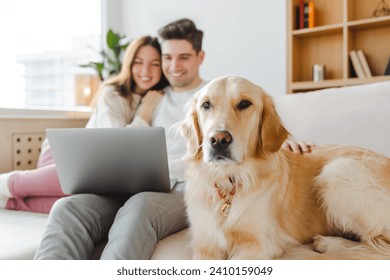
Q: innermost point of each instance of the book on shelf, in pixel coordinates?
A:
(301, 13)
(357, 66)
(352, 72)
(297, 18)
(387, 71)
(305, 15)
(311, 14)
(363, 61)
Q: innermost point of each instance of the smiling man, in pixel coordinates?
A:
(181, 64)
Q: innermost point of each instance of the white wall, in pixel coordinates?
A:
(241, 37)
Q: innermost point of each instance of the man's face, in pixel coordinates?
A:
(180, 64)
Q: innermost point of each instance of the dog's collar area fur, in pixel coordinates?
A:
(227, 197)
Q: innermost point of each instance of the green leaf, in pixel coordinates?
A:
(112, 39)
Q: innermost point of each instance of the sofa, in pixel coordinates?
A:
(355, 115)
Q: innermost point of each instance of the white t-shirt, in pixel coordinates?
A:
(168, 113)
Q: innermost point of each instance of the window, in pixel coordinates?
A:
(43, 42)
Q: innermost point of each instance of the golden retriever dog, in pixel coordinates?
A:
(248, 199)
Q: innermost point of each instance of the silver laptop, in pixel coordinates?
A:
(110, 160)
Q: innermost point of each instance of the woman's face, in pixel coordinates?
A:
(146, 69)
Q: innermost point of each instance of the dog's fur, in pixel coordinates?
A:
(278, 198)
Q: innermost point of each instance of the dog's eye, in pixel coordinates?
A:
(244, 104)
(206, 105)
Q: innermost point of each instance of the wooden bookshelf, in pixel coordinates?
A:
(340, 26)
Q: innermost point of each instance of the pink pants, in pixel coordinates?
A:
(35, 190)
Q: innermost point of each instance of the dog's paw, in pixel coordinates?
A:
(325, 244)
(320, 243)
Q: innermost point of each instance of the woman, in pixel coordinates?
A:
(117, 102)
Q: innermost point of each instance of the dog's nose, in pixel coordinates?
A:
(220, 139)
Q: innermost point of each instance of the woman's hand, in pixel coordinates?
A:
(148, 104)
(298, 147)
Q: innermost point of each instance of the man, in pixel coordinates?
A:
(78, 222)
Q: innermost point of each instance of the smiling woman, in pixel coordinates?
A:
(47, 40)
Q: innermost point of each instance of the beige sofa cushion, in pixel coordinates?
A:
(355, 115)
(20, 233)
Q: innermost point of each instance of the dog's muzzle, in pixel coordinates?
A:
(220, 142)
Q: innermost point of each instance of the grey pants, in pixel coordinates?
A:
(133, 225)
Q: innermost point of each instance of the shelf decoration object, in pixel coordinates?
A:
(318, 72)
(382, 9)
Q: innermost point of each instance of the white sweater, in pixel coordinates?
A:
(113, 110)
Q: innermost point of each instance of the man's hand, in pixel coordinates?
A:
(148, 104)
(298, 147)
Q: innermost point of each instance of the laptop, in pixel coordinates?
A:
(110, 160)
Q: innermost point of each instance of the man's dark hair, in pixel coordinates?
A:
(183, 29)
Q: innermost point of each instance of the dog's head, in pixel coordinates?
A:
(231, 119)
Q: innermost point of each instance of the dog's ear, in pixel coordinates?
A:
(190, 130)
(272, 132)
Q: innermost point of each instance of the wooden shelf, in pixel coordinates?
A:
(340, 27)
(310, 85)
(320, 30)
(370, 23)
